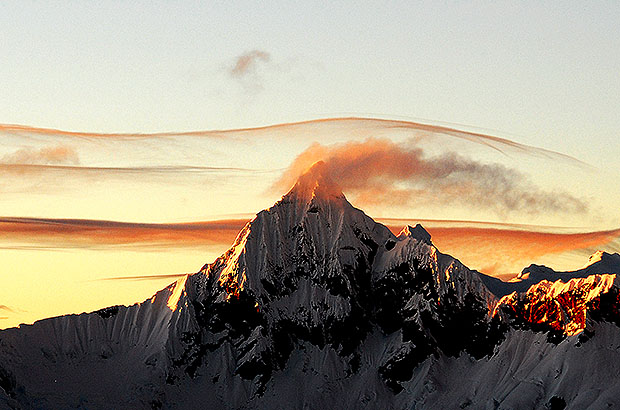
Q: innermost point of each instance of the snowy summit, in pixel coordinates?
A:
(316, 303)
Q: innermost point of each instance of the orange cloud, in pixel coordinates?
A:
(60, 154)
(6, 308)
(489, 247)
(25, 130)
(494, 250)
(379, 171)
(69, 233)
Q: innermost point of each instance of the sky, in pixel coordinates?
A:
(137, 138)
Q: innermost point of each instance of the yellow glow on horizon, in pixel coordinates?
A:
(44, 283)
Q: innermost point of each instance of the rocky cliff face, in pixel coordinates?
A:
(315, 302)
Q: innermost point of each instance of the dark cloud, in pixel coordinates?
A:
(248, 70)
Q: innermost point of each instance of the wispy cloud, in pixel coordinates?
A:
(26, 131)
(506, 248)
(145, 277)
(26, 168)
(6, 308)
(248, 70)
(59, 180)
(95, 234)
(60, 154)
(325, 130)
(174, 161)
(246, 63)
(501, 247)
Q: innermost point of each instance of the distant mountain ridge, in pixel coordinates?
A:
(317, 303)
(599, 263)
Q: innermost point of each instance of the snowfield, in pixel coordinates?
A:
(318, 306)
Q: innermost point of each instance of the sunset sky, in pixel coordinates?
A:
(137, 138)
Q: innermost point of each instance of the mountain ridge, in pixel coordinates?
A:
(316, 301)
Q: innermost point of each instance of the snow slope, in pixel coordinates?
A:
(316, 304)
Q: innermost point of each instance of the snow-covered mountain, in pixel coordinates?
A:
(318, 306)
(599, 263)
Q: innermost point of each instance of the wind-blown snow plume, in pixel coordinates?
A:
(378, 171)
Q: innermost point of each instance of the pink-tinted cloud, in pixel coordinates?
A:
(246, 63)
(379, 171)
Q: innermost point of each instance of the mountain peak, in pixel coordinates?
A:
(594, 258)
(315, 183)
(418, 232)
(603, 261)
